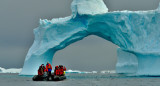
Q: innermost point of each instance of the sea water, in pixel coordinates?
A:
(77, 79)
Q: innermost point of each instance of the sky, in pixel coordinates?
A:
(18, 18)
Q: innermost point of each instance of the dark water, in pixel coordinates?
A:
(74, 79)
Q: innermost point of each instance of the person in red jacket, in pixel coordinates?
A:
(48, 68)
(41, 70)
(61, 71)
(56, 71)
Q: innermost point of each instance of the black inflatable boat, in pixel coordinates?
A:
(48, 78)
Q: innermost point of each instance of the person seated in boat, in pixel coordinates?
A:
(59, 70)
(62, 70)
(41, 70)
(56, 71)
(48, 68)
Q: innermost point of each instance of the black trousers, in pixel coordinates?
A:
(49, 73)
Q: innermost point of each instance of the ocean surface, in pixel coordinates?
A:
(81, 79)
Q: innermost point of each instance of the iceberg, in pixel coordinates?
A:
(135, 32)
(11, 70)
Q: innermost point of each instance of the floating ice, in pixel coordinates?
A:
(137, 33)
(11, 70)
(77, 71)
(108, 71)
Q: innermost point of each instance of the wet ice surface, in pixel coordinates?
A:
(81, 80)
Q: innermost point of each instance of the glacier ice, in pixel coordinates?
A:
(135, 32)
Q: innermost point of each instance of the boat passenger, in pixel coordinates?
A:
(56, 71)
(41, 70)
(48, 68)
(61, 70)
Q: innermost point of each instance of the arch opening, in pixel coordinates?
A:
(93, 53)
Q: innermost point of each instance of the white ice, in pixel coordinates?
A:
(10, 70)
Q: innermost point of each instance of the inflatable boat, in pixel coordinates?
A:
(48, 78)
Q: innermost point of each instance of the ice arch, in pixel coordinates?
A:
(135, 32)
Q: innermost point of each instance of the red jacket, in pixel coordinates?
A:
(56, 72)
(61, 71)
(48, 66)
(39, 72)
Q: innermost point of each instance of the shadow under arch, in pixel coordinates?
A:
(93, 53)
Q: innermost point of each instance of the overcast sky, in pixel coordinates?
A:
(18, 18)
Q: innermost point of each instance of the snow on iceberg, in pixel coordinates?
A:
(135, 32)
(11, 70)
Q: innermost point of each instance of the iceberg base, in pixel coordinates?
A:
(137, 64)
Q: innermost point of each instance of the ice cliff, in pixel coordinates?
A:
(137, 33)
